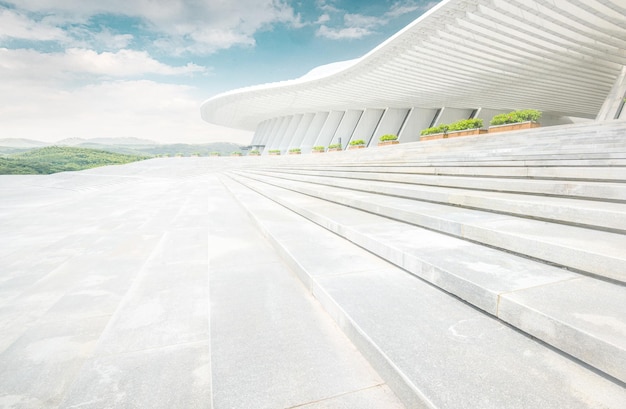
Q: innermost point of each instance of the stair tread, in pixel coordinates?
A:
(609, 215)
(593, 251)
(434, 347)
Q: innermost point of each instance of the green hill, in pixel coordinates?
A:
(55, 159)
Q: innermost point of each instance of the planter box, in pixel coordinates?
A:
(254, 154)
(454, 134)
(295, 153)
(274, 153)
(514, 127)
(356, 147)
(385, 143)
(314, 151)
(334, 149)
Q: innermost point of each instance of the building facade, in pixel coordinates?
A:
(461, 59)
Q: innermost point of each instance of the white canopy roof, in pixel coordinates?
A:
(558, 56)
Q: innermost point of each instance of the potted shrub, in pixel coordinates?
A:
(515, 120)
(214, 154)
(274, 152)
(357, 144)
(335, 147)
(236, 153)
(388, 140)
(295, 151)
(318, 149)
(254, 152)
(464, 127)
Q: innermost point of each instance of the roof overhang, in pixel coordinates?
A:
(559, 57)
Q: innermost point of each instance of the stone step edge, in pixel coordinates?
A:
(605, 219)
(392, 255)
(585, 189)
(595, 264)
(399, 383)
(402, 386)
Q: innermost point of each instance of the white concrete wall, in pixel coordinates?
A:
(486, 114)
(367, 124)
(272, 126)
(329, 129)
(449, 115)
(276, 137)
(347, 126)
(390, 123)
(300, 132)
(289, 133)
(313, 131)
(417, 119)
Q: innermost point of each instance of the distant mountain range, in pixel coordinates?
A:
(132, 146)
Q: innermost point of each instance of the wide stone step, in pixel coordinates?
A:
(591, 251)
(478, 274)
(595, 214)
(432, 349)
(605, 191)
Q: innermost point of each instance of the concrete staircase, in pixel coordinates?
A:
(500, 276)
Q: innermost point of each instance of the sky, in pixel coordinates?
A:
(141, 68)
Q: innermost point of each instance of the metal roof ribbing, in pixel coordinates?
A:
(559, 56)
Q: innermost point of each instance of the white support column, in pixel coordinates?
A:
(314, 130)
(486, 114)
(276, 136)
(288, 135)
(347, 126)
(613, 106)
(259, 133)
(271, 126)
(449, 115)
(330, 128)
(367, 125)
(298, 134)
(417, 119)
(390, 123)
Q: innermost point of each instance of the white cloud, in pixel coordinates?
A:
(342, 33)
(183, 25)
(144, 109)
(357, 26)
(17, 25)
(24, 64)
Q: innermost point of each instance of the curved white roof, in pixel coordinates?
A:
(558, 56)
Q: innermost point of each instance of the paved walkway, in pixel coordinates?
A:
(147, 286)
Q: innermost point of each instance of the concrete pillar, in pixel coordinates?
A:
(346, 127)
(416, 120)
(486, 114)
(314, 131)
(330, 128)
(289, 133)
(449, 115)
(367, 125)
(277, 134)
(614, 102)
(390, 123)
(300, 132)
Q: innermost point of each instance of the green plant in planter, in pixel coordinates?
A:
(254, 152)
(295, 150)
(319, 148)
(388, 137)
(357, 142)
(275, 151)
(334, 146)
(516, 116)
(214, 154)
(435, 129)
(235, 153)
(466, 124)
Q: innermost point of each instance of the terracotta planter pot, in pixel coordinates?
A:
(294, 153)
(385, 143)
(433, 136)
(314, 151)
(356, 147)
(514, 127)
(467, 132)
(274, 153)
(334, 149)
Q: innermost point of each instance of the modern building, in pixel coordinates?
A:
(461, 59)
